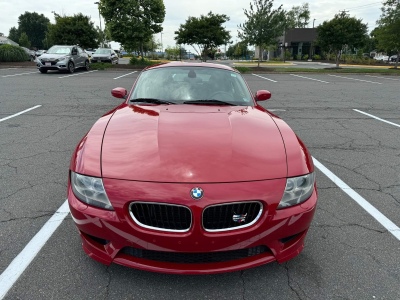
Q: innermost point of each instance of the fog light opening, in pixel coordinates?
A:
(289, 238)
(98, 240)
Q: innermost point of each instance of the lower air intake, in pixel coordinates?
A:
(194, 258)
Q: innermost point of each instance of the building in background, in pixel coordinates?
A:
(299, 42)
(5, 41)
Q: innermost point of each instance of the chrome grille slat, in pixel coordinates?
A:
(161, 216)
(219, 217)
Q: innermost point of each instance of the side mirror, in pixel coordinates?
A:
(119, 92)
(263, 95)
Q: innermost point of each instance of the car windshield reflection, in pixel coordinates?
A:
(182, 84)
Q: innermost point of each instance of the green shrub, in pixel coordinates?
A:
(288, 55)
(366, 60)
(317, 57)
(298, 57)
(10, 53)
(305, 57)
(243, 69)
(100, 66)
(141, 62)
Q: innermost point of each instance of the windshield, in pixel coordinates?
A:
(103, 51)
(59, 50)
(180, 84)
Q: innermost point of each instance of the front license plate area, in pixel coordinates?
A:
(47, 64)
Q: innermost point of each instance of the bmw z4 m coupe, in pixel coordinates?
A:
(190, 175)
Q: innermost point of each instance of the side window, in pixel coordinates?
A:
(73, 49)
(80, 50)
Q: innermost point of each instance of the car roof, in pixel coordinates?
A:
(184, 64)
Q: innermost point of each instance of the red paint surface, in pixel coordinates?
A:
(158, 153)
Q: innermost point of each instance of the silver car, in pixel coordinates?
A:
(63, 58)
(105, 55)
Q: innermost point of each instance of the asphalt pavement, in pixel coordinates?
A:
(348, 253)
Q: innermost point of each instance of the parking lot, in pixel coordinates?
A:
(350, 123)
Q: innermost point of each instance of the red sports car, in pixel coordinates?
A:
(189, 175)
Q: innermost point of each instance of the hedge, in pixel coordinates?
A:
(10, 53)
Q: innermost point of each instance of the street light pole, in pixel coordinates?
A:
(313, 23)
(101, 30)
(162, 47)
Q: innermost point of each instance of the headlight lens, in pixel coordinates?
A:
(298, 190)
(90, 190)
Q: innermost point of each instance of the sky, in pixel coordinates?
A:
(177, 11)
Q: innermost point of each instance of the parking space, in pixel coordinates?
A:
(349, 253)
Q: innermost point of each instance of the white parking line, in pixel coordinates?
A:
(78, 74)
(382, 77)
(309, 78)
(18, 74)
(375, 117)
(20, 113)
(381, 218)
(125, 75)
(355, 79)
(264, 78)
(25, 257)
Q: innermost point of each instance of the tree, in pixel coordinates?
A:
(204, 33)
(24, 41)
(14, 34)
(388, 31)
(173, 52)
(75, 30)
(237, 49)
(339, 32)
(103, 37)
(132, 23)
(263, 26)
(35, 26)
(298, 16)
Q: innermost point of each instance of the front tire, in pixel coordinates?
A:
(71, 67)
(87, 65)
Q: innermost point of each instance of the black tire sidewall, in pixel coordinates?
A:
(87, 65)
(69, 68)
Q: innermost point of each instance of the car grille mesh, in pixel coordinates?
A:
(194, 258)
(162, 216)
(221, 217)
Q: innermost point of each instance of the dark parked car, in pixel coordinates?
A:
(105, 55)
(31, 53)
(63, 58)
(393, 58)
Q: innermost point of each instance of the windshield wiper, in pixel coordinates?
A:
(152, 100)
(209, 102)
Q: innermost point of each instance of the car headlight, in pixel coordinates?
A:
(297, 190)
(90, 190)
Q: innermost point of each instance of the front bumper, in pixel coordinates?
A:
(118, 230)
(96, 60)
(60, 65)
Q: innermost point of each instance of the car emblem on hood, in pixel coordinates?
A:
(239, 218)
(197, 193)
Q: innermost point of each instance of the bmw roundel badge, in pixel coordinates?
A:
(197, 193)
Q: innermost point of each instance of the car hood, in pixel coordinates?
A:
(52, 56)
(192, 143)
(100, 55)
